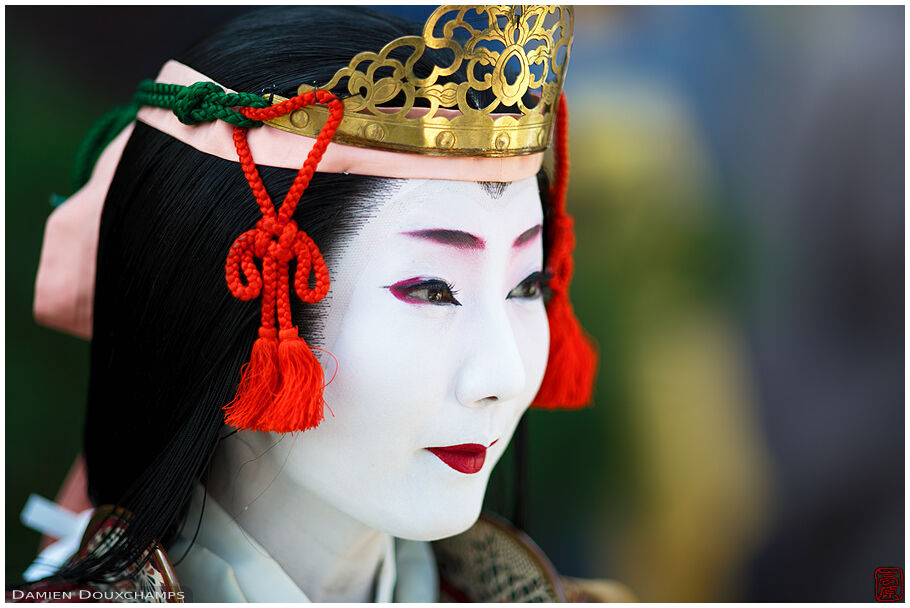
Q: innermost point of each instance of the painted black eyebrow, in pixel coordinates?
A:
(526, 236)
(451, 238)
(494, 189)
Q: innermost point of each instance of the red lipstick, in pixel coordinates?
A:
(464, 458)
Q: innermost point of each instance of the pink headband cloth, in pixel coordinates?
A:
(65, 284)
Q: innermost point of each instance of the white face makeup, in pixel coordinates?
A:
(441, 338)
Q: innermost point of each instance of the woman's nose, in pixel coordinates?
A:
(493, 369)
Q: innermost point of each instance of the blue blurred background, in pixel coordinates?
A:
(738, 185)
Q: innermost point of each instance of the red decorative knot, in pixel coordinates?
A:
(281, 387)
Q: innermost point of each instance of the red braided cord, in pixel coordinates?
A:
(336, 112)
(252, 173)
(276, 239)
(563, 241)
(561, 154)
(270, 275)
(283, 297)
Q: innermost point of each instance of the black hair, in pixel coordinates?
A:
(169, 339)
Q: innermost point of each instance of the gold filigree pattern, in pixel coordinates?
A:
(496, 77)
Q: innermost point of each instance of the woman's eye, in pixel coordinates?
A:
(530, 288)
(425, 291)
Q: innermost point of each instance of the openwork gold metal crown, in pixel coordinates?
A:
(490, 88)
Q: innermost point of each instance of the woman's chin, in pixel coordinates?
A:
(429, 517)
(436, 528)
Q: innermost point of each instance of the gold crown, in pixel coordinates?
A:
(515, 55)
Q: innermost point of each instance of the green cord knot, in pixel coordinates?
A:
(192, 104)
(199, 102)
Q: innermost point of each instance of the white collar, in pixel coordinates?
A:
(225, 564)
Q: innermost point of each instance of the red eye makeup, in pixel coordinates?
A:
(422, 290)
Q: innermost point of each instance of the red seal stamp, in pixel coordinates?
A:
(889, 584)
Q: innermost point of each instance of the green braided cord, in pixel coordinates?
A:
(199, 102)
(98, 137)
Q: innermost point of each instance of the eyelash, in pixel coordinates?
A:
(536, 281)
(441, 293)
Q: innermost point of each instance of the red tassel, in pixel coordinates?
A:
(258, 383)
(572, 366)
(568, 382)
(298, 405)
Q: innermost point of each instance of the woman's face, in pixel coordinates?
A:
(441, 339)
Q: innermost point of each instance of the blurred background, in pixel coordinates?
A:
(738, 188)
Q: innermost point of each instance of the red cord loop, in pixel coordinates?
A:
(240, 259)
(308, 256)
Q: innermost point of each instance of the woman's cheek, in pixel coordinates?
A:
(391, 363)
(533, 336)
